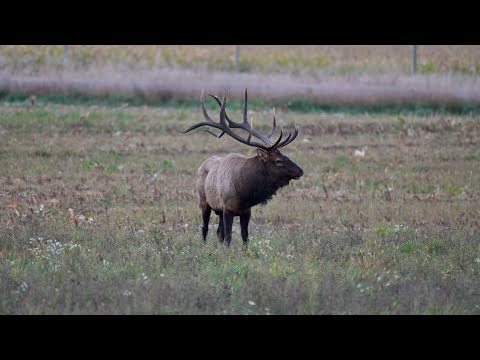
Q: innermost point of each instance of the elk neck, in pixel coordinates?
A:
(257, 185)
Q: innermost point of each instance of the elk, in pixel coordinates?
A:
(232, 185)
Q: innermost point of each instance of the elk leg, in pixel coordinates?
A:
(206, 218)
(244, 220)
(227, 226)
(220, 230)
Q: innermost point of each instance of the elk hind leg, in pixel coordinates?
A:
(220, 230)
(206, 218)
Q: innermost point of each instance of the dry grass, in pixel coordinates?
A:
(98, 214)
(311, 59)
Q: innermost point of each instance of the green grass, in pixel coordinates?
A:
(99, 215)
(419, 108)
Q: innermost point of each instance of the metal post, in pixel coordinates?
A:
(237, 58)
(65, 56)
(414, 62)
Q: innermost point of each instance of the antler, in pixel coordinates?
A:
(226, 128)
(245, 125)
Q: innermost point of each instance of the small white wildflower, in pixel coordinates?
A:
(251, 303)
(379, 278)
(81, 217)
(41, 207)
(359, 285)
(387, 284)
(127, 293)
(477, 260)
(400, 228)
(24, 286)
(146, 280)
(162, 275)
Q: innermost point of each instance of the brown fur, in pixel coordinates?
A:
(232, 185)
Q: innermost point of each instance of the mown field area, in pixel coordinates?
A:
(98, 215)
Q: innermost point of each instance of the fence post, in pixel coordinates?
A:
(237, 58)
(65, 56)
(158, 55)
(414, 62)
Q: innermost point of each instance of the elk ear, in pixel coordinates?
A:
(262, 154)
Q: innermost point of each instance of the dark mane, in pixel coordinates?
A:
(261, 186)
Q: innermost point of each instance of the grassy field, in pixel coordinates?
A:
(296, 59)
(98, 215)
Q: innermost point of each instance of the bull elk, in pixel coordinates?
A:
(232, 185)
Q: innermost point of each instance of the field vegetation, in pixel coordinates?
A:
(98, 212)
(296, 59)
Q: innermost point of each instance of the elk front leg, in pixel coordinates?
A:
(227, 226)
(220, 230)
(206, 218)
(244, 220)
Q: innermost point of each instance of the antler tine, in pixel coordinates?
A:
(251, 129)
(269, 135)
(207, 121)
(219, 102)
(297, 129)
(222, 110)
(274, 146)
(290, 137)
(204, 110)
(218, 136)
(245, 109)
